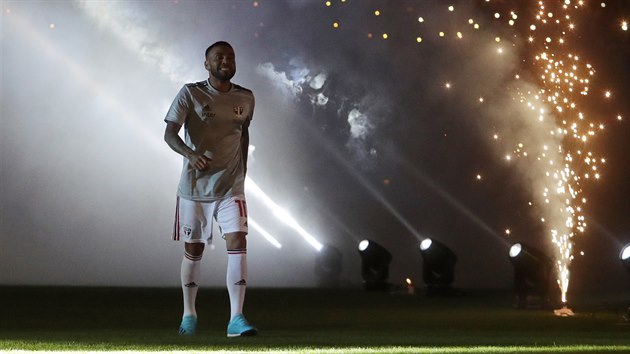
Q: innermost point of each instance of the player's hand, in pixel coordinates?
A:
(200, 162)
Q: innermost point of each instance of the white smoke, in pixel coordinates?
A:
(360, 125)
(318, 81)
(132, 28)
(521, 128)
(280, 80)
(319, 100)
(298, 81)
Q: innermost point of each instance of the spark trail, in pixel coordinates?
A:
(566, 155)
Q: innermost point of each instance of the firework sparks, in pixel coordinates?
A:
(564, 79)
(564, 154)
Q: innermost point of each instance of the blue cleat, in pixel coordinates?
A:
(188, 326)
(239, 326)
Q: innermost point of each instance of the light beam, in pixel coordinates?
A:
(282, 214)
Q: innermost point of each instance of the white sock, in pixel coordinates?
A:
(236, 279)
(190, 274)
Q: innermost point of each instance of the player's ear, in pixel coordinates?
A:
(206, 65)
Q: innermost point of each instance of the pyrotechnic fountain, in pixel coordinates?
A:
(564, 81)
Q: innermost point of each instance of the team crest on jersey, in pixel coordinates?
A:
(239, 111)
(207, 113)
(187, 230)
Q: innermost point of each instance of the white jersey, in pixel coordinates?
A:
(215, 124)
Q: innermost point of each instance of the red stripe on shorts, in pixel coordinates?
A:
(176, 223)
(242, 207)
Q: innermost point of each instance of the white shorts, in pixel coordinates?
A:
(193, 219)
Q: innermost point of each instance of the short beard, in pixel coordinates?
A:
(221, 76)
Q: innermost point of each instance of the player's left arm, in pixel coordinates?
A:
(245, 137)
(245, 143)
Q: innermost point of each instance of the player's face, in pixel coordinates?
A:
(220, 63)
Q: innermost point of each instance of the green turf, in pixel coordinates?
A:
(305, 320)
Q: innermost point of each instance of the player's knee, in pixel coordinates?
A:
(236, 240)
(194, 250)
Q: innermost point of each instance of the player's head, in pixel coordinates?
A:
(220, 61)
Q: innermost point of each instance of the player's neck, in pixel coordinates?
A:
(222, 86)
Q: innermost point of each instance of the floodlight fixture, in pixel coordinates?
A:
(328, 265)
(624, 256)
(438, 267)
(532, 275)
(375, 260)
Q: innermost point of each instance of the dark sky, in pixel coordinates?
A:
(356, 136)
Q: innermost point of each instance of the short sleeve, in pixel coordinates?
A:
(251, 113)
(179, 108)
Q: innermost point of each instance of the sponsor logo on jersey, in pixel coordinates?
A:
(206, 112)
(241, 282)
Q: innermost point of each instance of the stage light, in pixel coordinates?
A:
(375, 261)
(438, 267)
(328, 266)
(624, 256)
(532, 275)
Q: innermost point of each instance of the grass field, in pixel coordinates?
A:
(305, 320)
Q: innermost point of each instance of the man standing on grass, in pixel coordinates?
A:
(216, 115)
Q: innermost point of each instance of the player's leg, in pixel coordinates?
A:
(190, 224)
(232, 217)
(190, 274)
(236, 276)
(236, 280)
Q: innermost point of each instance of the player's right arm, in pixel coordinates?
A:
(172, 138)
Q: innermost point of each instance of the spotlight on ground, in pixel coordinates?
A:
(532, 275)
(438, 267)
(328, 266)
(624, 256)
(375, 261)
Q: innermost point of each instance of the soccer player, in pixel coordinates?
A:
(216, 115)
